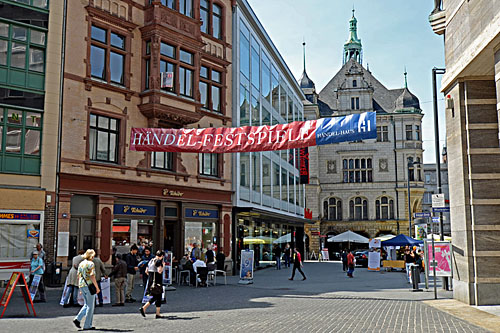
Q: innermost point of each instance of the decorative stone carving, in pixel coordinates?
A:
(383, 165)
(331, 167)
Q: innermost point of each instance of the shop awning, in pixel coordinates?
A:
(121, 228)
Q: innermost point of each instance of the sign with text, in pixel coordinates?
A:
(420, 214)
(119, 209)
(438, 200)
(298, 134)
(202, 213)
(304, 165)
(167, 79)
(34, 285)
(12, 216)
(440, 209)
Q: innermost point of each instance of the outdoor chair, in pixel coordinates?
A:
(202, 275)
(221, 268)
(211, 274)
(180, 273)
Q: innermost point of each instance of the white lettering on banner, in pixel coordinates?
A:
(158, 140)
(137, 137)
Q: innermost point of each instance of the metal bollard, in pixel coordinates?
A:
(415, 277)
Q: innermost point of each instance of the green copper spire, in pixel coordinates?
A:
(352, 48)
(406, 81)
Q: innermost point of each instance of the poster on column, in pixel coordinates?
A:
(442, 251)
(374, 255)
(246, 267)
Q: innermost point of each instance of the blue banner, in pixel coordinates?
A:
(137, 210)
(202, 213)
(353, 127)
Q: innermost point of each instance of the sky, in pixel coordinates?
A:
(394, 33)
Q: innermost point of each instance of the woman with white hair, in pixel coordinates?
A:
(89, 288)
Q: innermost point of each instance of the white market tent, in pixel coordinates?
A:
(348, 236)
(385, 237)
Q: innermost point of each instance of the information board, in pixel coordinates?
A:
(443, 258)
(246, 267)
(34, 285)
(374, 255)
(325, 255)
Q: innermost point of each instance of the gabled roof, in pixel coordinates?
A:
(383, 99)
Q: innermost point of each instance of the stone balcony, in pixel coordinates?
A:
(438, 22)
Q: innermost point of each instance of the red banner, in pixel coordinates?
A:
(225, 139)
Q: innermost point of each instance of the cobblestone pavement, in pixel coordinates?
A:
(326, 302)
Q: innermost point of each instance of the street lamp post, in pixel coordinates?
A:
(410, 165)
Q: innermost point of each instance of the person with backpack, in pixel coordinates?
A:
(297, 264)
(155, 284)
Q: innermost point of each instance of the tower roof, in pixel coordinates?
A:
(407, 101)
(353, 47)
(305, 81)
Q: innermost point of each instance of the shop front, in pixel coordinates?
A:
(20, 231)
(201, 227)
(133, 223)
(266, 234)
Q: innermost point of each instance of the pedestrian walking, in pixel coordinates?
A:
(143, 265)
(155, 284)
(132, 268)
(37, 268)
(89, 288)
(120, 273)
(100, 272)
(344, 260)
(287, 254)
(71, 297)
(350, 264)
(297, 264)
(277, 254)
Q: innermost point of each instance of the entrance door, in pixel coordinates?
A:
(81, 235)
(170, 239)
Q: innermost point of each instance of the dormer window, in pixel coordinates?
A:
(354, 83)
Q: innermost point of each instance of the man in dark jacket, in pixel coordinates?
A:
(132, 268)
(344, 260)
(120, 274)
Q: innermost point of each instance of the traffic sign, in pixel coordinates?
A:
(422, 214)
(435, 219)
(440, 209)
(438, 200)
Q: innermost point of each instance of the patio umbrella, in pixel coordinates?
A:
(348, 236)
(283, 239)
(401, 240)
(253, 240)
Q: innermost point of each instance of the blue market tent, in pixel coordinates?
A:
(401, 240)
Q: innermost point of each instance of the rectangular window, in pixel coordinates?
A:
(244, 106)
(266, 77)
(409, 132)
(382, 133)
(217, 21)
(107, 55)
(185, 82)
(276, 181)
(255, 64)
(167, 50)
(244, 55)
(417, 132)
(357, 170)
(22, 50)
(186, 7)
(167, 3)
(103, 140)
(211, 89)
(209, 164)
(162, 160)
(20, 136)
(354, 103)
(204, 15)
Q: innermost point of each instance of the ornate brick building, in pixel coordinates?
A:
(133, 63)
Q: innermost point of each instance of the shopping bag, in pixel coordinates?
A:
(106, 291)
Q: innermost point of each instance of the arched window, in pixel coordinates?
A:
(358, 208)
(211, 15)
(332, 209)
(384, 208)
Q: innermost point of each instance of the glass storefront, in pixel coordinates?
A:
(201, 233)
(264, 237)
(131, 231)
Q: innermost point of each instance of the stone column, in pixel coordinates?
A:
(474, 179)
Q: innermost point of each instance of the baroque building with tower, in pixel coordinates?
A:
(363, 186)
